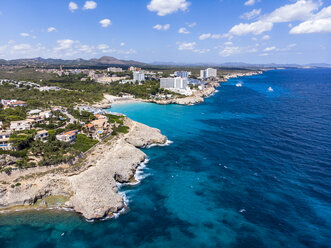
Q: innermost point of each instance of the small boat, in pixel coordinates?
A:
(239, 85)
(270, 89)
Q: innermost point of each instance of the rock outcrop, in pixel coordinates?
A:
(92, 191)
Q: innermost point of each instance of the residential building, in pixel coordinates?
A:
(46, 114)
(69, 136)
(208, 73)
(138, 76)
(4, 140)
(182, 74)
(132, 68)
(173, 83)
(99, 117)
(114, 69)
(34, 119)
(34, 112)
(89, 128)
(100, 124)
(20, 125)
(12, 103)
(42, 135)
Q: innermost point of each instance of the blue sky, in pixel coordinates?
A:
(189, 31)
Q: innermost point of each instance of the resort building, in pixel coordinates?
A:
(173, 83)
(42, 135)
(208, 73)
(138, 76)
(114, 69)
(132, 68)
(20, 125)
(69, 136)
(182, 74)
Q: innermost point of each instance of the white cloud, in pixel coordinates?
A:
(21, 47)
(300, 10)
(24, 34)
(266, 37)
(268, 49)
(73, 6)
(229, 50)
(264, 54)
(201, 51)
(207, 36)
(122, 44)
(204, 36)
(162, 27)
(183, 31)
(249, 2)
(64, 44)
(256, 28)
(51, 29)
(105, 23)
(251, 15)
(90, 5)
(186, 46)
(216, 36)
(165, 7)
(191, 25)
(103, 46)
(319, 23)
(228, 43)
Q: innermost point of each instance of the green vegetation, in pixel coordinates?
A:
(37, 99)
(115, 119)
(84, 143)
(22, 140)
(8, 170)
(83, 116)
(120, 129)
(11, 114)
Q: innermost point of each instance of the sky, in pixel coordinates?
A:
(179, 31)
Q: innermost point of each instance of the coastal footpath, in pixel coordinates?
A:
(89, 187)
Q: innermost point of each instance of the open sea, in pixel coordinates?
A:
(247, 168)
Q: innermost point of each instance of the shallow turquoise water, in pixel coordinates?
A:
(247, 168)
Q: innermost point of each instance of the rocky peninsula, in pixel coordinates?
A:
(89, 187)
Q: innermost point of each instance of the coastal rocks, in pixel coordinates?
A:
(197, 97)
(91, 190)
(7, 160)
(142, 136)
(94, 190)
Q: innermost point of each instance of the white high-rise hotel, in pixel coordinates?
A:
(138, 76)
(174, 83)
(210, 72)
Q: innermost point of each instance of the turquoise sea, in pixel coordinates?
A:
(247, 168)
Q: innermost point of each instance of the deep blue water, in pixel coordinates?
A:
(248, 168)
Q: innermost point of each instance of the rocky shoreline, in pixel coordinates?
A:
(90, 186)
(197, 97)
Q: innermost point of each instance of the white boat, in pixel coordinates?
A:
(239, 84)
(270, 89)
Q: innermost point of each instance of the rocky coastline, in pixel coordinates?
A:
(89, 187)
